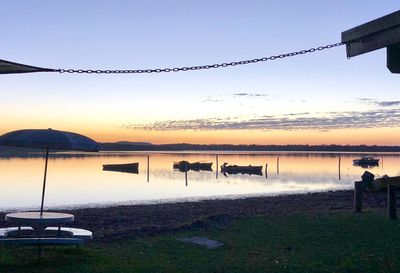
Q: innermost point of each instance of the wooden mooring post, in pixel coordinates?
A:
(358, 190)
(148, 168)
(266, 170)
(391, 199)
(216, 167)
(277, 165)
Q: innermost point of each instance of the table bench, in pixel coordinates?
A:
(42, 241)
(73, 232)
(4, 232)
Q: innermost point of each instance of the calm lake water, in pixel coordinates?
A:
(80, 181)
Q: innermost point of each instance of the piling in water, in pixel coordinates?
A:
(148, 168)
(277, 165)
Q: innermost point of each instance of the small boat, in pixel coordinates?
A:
(366, 161)
(182, 165)
(126, 168)
(196, 166)
(234, 169)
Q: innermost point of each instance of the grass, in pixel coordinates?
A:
(295, 242)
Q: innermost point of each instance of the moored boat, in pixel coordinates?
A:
(366, 160)
(128, 167)
(196, 166)
(234, 169)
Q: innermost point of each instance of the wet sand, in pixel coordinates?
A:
(114, 223)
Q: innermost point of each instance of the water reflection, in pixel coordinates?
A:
(79, 180)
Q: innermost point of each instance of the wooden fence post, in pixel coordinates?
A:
(391, 197)
(358, 189)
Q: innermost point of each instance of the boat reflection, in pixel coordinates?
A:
(243, 172)
(123, 171)
(366, 165)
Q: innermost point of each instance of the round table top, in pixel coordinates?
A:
(34, 218)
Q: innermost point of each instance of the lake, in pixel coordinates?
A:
(78, 179)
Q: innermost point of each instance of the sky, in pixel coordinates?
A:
(318, 98)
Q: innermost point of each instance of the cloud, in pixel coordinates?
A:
(380, 103)
(250, 95)
(302, 121)
(388, 103)
(368, 100)
(211, 99)
(297, 114)
(235, 95)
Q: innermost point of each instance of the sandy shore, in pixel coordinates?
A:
(113, 223)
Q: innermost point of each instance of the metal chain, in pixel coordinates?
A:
(200, 67)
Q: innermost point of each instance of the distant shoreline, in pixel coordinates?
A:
(246, 148)
(74, 154)
(225, 148)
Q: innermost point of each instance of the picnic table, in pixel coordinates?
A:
(36, 219)
(41, 228)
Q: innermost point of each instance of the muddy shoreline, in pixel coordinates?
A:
(118, 222)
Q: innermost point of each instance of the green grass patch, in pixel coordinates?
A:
(294, 242)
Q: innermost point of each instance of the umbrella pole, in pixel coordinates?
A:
(44, 180)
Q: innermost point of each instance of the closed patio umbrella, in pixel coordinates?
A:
(49, 139)
(7, 67)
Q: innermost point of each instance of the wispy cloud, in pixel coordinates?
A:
(212, 99)
(238, 95)
(330, 120)
(296, 114)
(367, 100)
(245, 94)
(387, 103)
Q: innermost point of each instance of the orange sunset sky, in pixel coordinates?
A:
(315, 98)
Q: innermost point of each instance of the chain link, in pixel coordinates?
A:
(200, 67)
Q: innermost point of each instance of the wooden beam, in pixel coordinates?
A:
(376, 34)
(393, 58)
